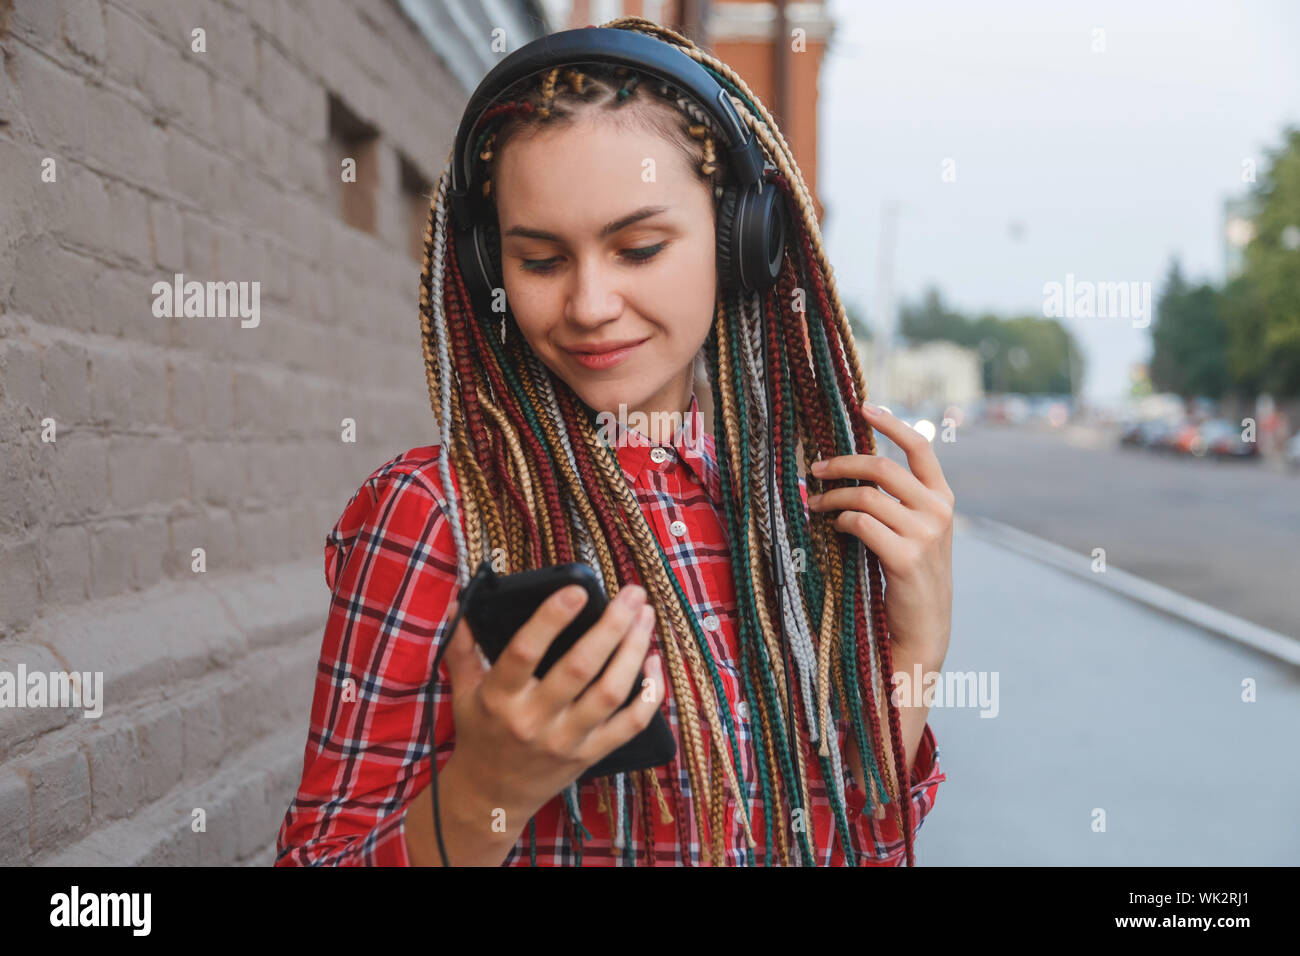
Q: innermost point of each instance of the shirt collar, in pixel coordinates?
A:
(690, 447)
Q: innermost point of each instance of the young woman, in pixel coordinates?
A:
(571, 430)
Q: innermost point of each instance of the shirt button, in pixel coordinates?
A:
(711, 622)
(658, 455)
(742, 710)
(678, 528)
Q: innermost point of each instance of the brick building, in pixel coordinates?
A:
(167, 480)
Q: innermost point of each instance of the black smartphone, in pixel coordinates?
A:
(497, 605)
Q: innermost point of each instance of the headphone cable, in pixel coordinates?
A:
(484, 571)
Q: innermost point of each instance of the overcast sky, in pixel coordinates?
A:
(1111, 161)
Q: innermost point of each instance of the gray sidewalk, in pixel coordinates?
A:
(1106, 703)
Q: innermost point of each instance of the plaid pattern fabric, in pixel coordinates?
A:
(390, 563)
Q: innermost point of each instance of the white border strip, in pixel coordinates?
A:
(1138, 589)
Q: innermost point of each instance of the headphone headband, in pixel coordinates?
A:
(612, 46)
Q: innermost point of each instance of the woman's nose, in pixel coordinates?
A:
(594, 296)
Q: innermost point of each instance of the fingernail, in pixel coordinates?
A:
(573, 597)
(870, 409)
(818, 467)
(812, 501)
(631, 594)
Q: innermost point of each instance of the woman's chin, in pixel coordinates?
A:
(606, 399)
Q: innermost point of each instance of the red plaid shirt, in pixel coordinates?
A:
(390, 563)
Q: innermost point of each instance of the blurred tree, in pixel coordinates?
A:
(1189, 339)
(1025, 354)
(930, 320)
(1245, 317)
(1265, 307)
(1037, 356)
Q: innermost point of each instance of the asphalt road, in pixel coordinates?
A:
(1226, 533)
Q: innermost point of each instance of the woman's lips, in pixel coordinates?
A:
(604, 360)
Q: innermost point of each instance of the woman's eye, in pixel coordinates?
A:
(645, 253)
(537, 265)
(635, 256)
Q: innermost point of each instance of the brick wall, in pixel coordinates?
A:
(188, 432)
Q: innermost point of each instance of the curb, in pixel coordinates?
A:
(1273, 643)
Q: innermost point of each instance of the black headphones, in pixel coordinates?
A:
(750, 218)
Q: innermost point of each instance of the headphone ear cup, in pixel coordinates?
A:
(492, 244)
(751, 237)
(478, 252)
(762, 236)
(728, 255)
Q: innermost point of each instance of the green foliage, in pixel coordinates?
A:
(1025, 354)
(930, 320)
(1265, 305)
(1245, 337)
(1190, 339)
(1243, 314)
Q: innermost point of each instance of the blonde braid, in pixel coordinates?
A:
(640, 539)
(757, 514)
(645, 552)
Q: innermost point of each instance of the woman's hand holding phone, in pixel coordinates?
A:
(521, 740)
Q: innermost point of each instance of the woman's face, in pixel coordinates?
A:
(594, 254)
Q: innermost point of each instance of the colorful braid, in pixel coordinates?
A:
(540, 487)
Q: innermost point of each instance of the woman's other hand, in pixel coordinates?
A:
(907, 522)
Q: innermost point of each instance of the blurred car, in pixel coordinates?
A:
(1183, 439)
(1017, 410)
(1153, 433)
(971, 411)
(1059, 414)
(1130, 434)
(1293, 451)
(1221, 437)
(1050, 410)
(1008, 410)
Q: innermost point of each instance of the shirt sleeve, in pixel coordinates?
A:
(881, 841)
(390, 564)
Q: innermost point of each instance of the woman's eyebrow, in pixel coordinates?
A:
(645, 212)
